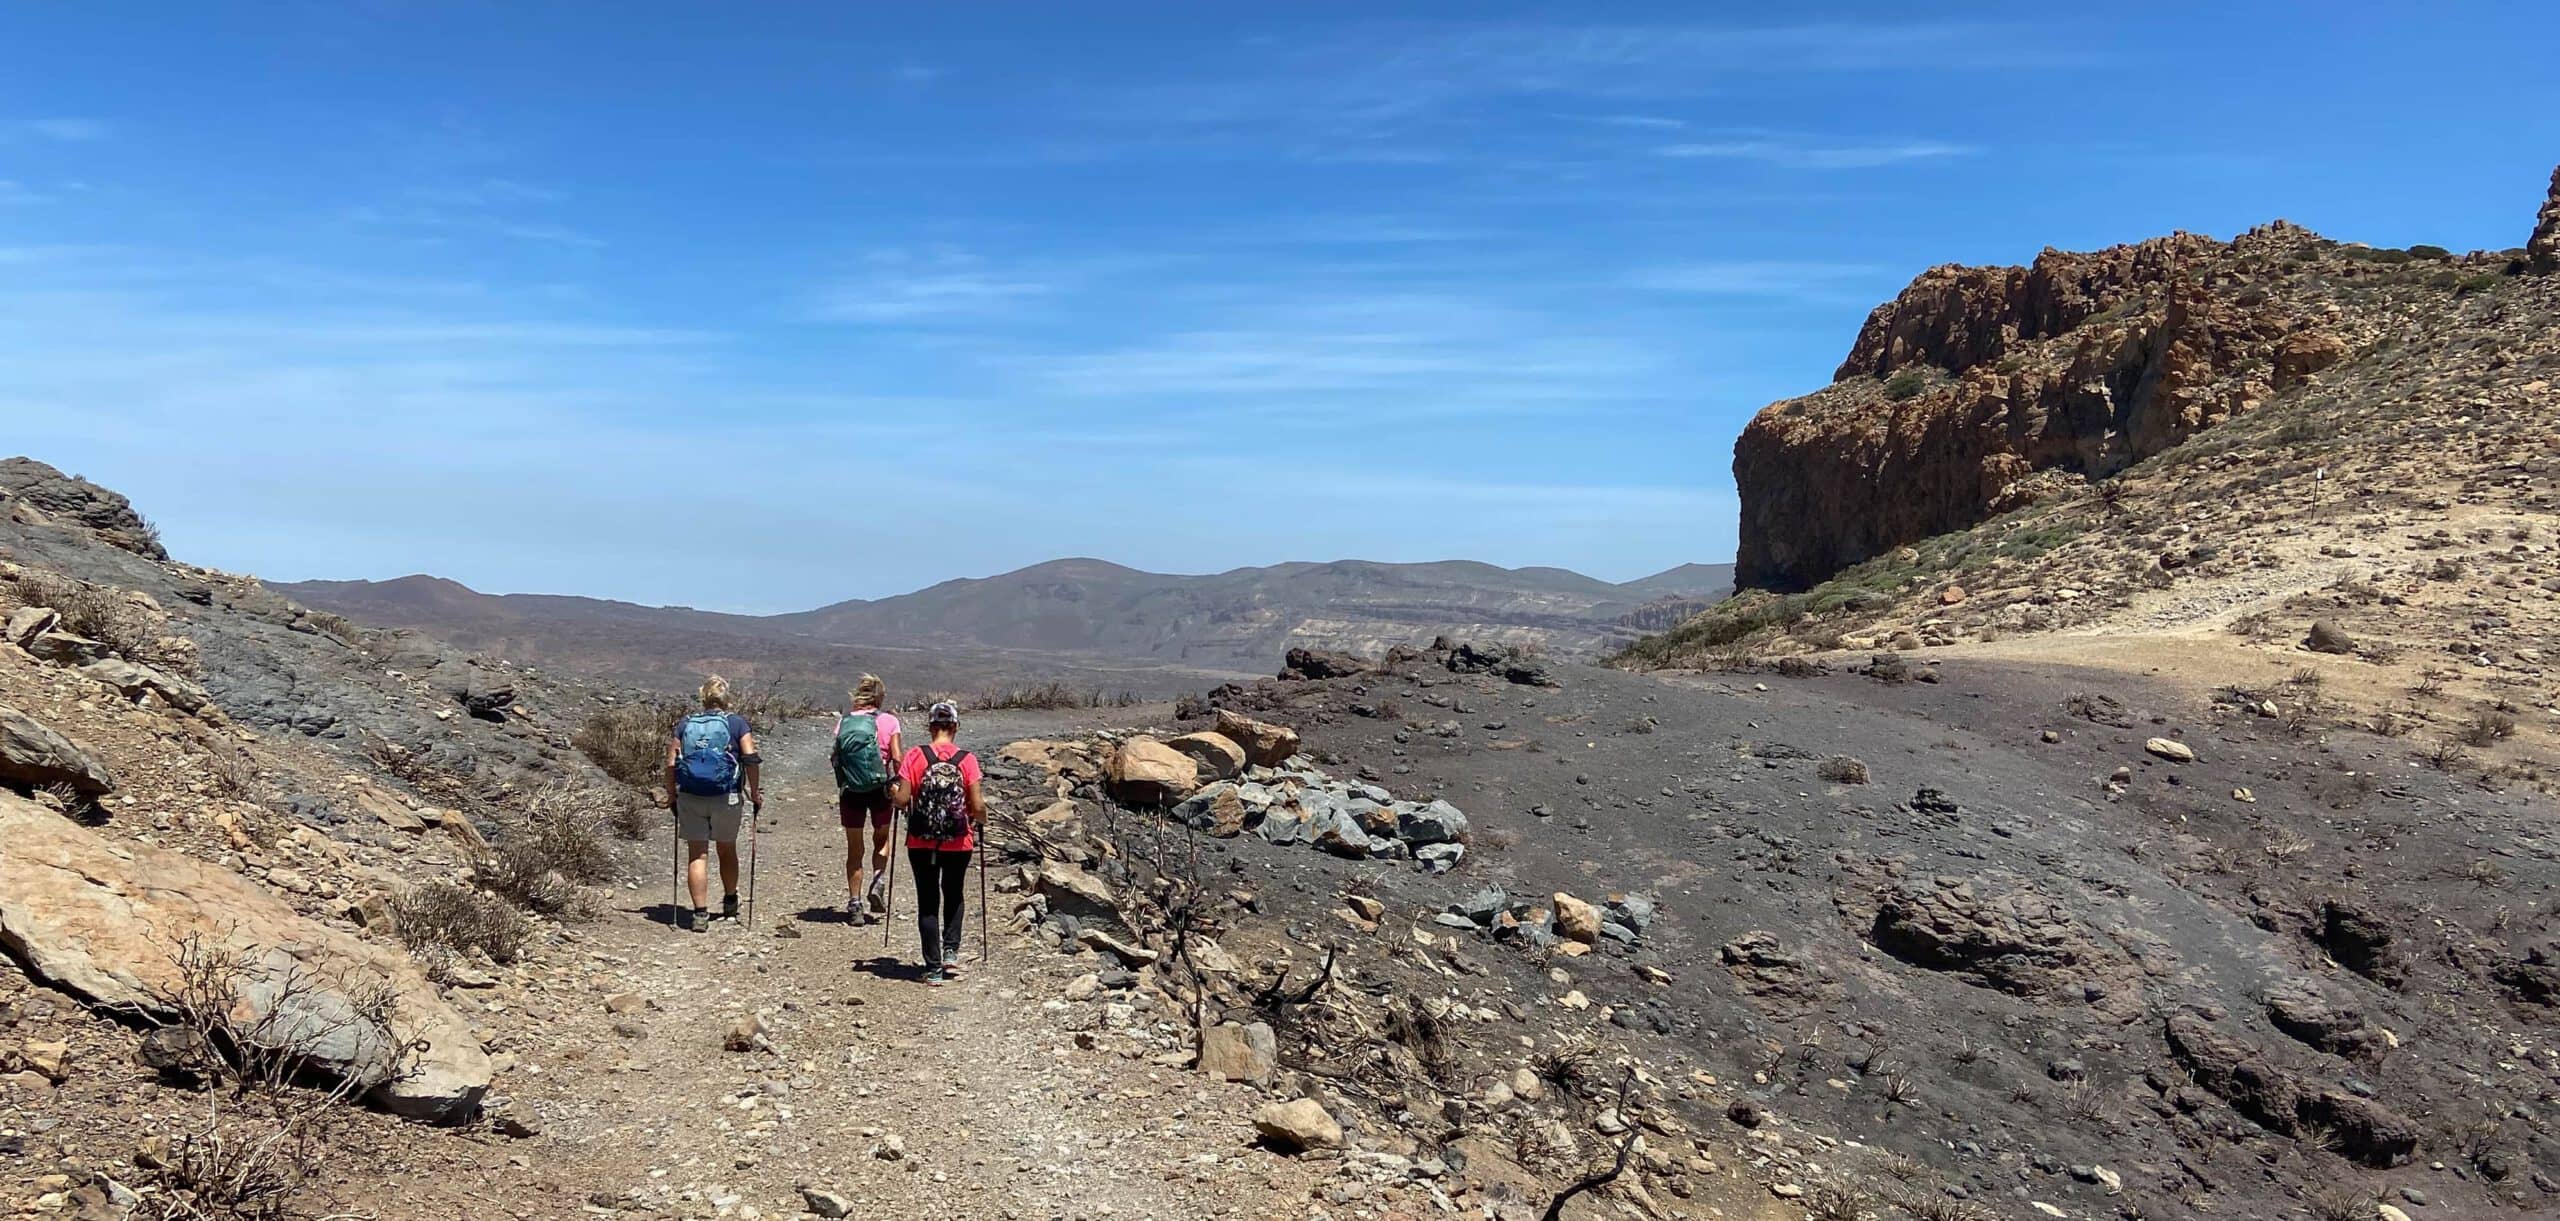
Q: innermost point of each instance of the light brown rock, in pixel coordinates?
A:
(1232, 1052)
(1265, 744)
(100, 919)
(1216, 755)
(1576, 920)
(1148, 772)
(1297, 1126)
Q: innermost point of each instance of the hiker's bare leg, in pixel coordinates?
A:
(694, 870)
(880, 845)
(728, 867)
(853, 858)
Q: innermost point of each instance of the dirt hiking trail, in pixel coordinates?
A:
(899, 1099)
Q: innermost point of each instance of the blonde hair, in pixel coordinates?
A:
(715, 692)
(870, 692)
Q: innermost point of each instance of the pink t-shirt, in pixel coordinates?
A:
(885, 724)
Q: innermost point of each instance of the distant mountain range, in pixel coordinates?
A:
(1085, 614)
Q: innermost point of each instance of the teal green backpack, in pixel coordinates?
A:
(859, 765)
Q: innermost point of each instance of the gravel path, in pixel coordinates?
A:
(970, 1100)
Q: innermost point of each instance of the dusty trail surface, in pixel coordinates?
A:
(902, 1099)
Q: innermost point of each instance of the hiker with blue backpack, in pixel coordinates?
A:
(869, 747)
(711, 763)
(938, 786)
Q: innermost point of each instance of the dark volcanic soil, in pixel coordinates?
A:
(2293, 966)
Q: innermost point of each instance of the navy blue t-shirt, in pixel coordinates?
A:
(737, 743)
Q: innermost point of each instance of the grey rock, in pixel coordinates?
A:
(1440, 858)
(133, 680)
(32, 754)
(1436, 823)
(65, 649)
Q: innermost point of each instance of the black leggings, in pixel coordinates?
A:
(940, 879)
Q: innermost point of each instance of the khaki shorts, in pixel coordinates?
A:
(713, 817)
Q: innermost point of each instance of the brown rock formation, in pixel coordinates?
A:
(2079, 362)
(2542, 252)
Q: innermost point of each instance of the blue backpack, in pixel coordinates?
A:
(706, 755)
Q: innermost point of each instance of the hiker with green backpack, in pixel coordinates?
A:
(868, 747)
(938, 784)
(710, 761)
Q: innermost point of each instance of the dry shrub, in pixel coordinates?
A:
(104, 614)
(1844, 769)
(2488, 729)
(273, 1119)
(440, 919)
(628, 740)
(1050, 696)
(557, 846)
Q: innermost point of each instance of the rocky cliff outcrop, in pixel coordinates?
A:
(69, 499)
(1976, 378)
(2542, 251)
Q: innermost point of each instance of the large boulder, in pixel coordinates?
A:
(1217, 755)
(110, 921)
(28, 622)
(32, 754)
(1315, 663)
(1148, 772)
(1265, 744)
(483, 692)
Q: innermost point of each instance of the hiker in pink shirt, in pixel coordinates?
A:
(874, 808)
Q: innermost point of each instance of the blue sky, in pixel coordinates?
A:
(722, 305)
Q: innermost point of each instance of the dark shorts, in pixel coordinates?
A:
(852, 809)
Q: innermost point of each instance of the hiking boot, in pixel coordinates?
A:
(877, 894)
(728, 907)
(855, 912)
(697, 920)
(936, 975)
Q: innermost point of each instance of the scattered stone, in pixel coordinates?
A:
(1232, 1052)
(746, 1034)
(1576, 920)
(1366, 908)
(2328, 637)
(2171, 749)
(1297, 1126)
(828, 1204)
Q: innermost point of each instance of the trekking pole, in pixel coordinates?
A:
(889, 890)
(986, 931)
(675, 860)
(755, 816)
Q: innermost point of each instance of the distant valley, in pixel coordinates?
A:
(1075, 620)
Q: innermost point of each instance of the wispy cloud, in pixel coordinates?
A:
(60, 131)
(1326, 357)
(1810, 155)
(929, 285)
(1772, 279)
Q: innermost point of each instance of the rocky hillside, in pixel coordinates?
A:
(1075, 620)
(1977, 388)
(2182, 457)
